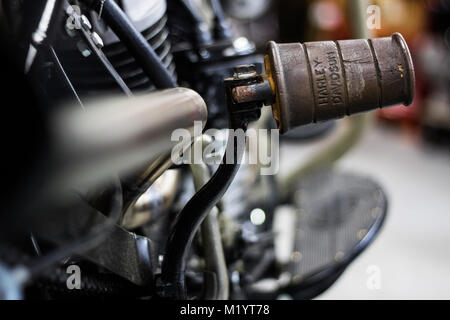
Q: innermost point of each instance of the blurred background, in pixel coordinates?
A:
(336, 182)
(406, 150)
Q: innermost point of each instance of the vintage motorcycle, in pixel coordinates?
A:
(105, 197)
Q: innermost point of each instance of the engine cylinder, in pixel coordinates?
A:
(90, 77)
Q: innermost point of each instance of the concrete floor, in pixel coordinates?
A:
(410, 259)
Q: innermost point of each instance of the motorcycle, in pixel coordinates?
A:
(137, 170)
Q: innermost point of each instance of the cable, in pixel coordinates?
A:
(138, 46)
(64, 76)
(40, 33)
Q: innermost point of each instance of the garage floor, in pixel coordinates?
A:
(410, 259)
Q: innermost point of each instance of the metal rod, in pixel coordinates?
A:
(212, 243)
(190, 218)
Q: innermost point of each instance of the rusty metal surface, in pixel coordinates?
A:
(289, 60)
(253, 92)
(319, 81)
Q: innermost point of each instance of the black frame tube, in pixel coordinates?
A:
(190, 218)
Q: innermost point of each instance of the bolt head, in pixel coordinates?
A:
(85, 23)
(97, 40)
